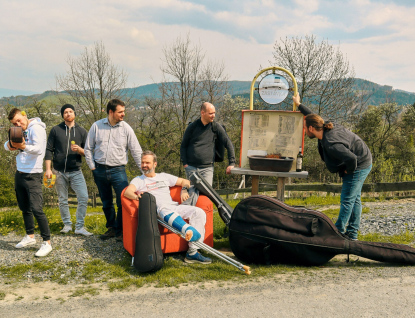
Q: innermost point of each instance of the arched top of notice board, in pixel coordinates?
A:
(273, 68)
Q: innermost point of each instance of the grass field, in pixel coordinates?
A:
(120, 275)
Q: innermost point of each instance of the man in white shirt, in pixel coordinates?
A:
(158, 184)
(28, 178)
(106, 153)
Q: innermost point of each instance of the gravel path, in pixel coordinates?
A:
(368, 289)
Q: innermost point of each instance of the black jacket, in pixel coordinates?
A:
(341, 150)
(59, 147)
(198, 145)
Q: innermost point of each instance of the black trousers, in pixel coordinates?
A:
(28, 187)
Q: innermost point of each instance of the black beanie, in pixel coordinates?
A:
(65, 107)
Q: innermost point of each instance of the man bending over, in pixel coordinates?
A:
(158, 184)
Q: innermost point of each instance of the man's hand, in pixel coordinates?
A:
(21, 145)
(228, 169)
(297, 100)
(75, 147)
(184, 195)
(185, 166)
(10, 146)
(48, 173)
(138, 193)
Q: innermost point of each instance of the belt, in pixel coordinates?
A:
(97, 165)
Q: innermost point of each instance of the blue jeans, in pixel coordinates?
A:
(206, 173)
(107, 178)
(76, 180)
(350, 204)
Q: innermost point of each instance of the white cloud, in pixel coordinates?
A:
(36, 37)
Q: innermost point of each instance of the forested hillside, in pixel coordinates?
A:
(378, 93)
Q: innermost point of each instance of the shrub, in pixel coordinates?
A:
(7, 193)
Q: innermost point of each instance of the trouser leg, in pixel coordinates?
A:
(350, 203)
(105, 192)
(34, 184)
(62, 185)
(197, 218)
(206, 173)
(355, 216)
(78, 185)
(119, 182)
(22, 196)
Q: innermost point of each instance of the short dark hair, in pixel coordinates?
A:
(13, 113)
(149, 153)
(113, 103)
(203, 107)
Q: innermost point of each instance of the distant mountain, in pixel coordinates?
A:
(5, 92)
(380, 93)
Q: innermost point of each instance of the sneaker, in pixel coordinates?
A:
(108, 234)
(44, 250)
(83, 231)
(119, 238)
(26, 241)
(66, 229)
(197, 258)
(350, 237)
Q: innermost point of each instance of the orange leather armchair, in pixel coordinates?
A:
(170, 242)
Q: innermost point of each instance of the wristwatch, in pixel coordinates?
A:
(185, 188)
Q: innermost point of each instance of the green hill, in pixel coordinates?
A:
(380, 93)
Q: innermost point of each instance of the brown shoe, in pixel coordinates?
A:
(108, 234)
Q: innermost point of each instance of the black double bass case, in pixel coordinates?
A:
(264, 230)
(148, 255)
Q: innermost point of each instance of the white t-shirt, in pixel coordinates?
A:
(159, 186)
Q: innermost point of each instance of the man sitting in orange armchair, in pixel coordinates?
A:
(158, 184)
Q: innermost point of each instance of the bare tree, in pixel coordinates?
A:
(188, 80)
(91, 81)
(324, 77)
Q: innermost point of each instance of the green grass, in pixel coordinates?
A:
(12, 221)
(334, 213)
(83, 291)
(120, 275)
(403, 238)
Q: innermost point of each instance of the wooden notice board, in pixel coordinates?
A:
(274, 131)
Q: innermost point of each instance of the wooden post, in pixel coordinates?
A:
(280, 188)
(255, 185)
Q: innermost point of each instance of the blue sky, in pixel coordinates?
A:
(36, 37)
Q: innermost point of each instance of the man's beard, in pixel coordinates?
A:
(149, 171)
(70, 119)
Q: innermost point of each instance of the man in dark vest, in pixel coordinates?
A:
(197, 150)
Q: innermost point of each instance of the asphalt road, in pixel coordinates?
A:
(341, 290)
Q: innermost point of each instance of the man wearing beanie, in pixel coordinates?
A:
(66, 144)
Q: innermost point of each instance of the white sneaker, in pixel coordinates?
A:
(83, 231)
(26, 241)
(44, 249)
(66, 229)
